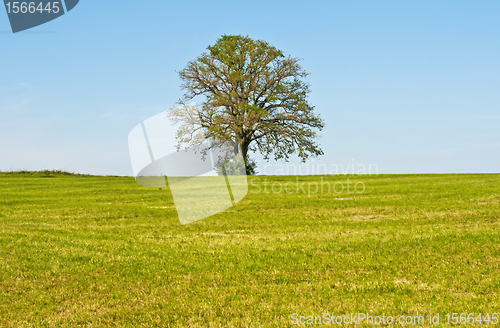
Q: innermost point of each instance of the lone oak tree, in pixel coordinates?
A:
(254, 98)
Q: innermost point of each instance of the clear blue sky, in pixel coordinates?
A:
(411, 86)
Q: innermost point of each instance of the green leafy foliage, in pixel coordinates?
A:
(254, 97)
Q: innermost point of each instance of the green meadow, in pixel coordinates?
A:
(94, 251)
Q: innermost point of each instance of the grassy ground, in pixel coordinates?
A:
(85, 251)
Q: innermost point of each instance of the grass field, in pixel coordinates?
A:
(88, 251)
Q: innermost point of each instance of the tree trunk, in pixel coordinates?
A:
(242, 151)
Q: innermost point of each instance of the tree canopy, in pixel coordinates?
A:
(254, 97)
